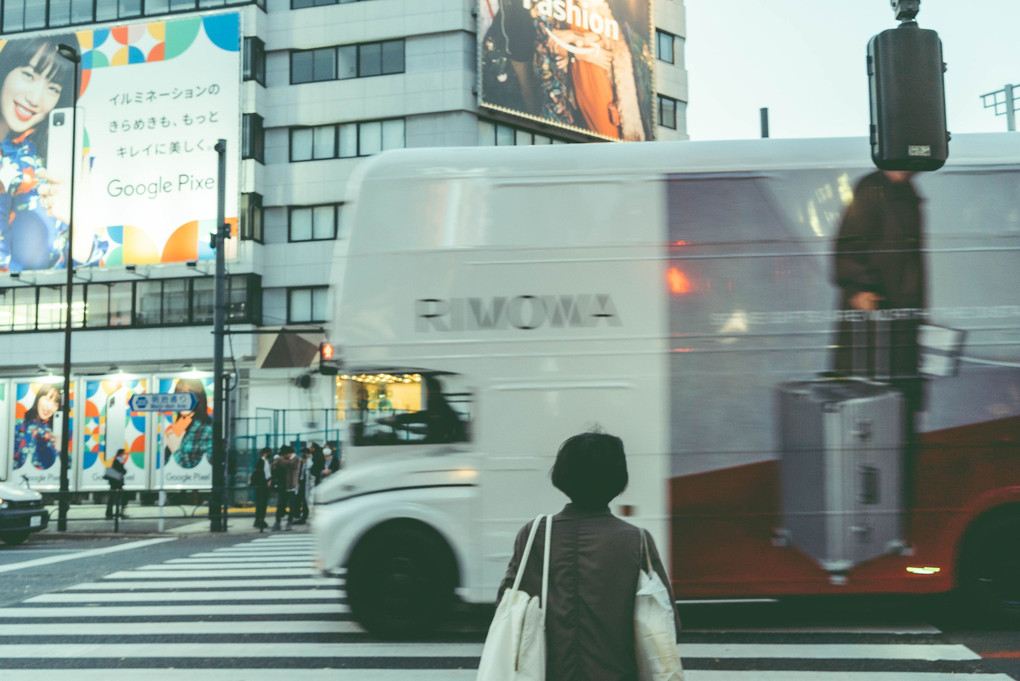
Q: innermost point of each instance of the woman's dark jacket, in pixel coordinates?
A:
(593, 575)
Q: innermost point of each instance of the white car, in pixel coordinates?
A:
(21, 513)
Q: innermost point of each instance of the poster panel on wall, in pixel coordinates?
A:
(184, 440)
(153, 100)
(108, 426)
(580, 64)
(5, 453)
(38, 426)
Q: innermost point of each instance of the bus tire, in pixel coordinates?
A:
(989, 583)
(14, 538)
(400, 580)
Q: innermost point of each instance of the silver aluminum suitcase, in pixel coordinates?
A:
(841, 444)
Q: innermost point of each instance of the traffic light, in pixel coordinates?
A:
(908, 99)
(329, 363)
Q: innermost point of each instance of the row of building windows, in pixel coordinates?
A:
(346, 140)
(29, 15)
(347, 61)
(497, 134)
(136, 303)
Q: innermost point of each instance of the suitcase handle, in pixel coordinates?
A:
(859, 350)
(867, 485)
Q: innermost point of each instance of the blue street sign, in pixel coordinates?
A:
(163, 402)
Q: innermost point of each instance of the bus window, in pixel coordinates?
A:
(400, 407)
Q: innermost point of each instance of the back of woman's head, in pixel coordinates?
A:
(591, 469)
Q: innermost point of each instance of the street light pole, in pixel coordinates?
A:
(71, 54)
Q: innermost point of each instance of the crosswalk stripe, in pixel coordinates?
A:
(726, 675)
(259, 559)
(137, 585)
(181, 628)
(892, 629)
(856, 651)
(239, 650)
(263, 674)
(446, 649)
(214, 595)
(198, 574)
(282, 609)
(236, 565)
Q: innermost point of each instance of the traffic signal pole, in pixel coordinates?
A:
(217, 502)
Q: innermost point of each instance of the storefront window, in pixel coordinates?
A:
(400, 407)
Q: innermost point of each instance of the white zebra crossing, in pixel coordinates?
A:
(266, 588)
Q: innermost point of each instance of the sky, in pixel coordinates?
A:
(805, 60)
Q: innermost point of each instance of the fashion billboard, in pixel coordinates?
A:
(579, 64)
(153, 99)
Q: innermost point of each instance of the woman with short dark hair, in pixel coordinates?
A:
(595, 560)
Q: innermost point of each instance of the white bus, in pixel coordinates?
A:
(492, 302)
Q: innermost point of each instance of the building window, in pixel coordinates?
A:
(667, 112)
(346, 140)
(301, 4)
(347, 61)
(253, 138)
(252, 217)
(306, 304)
(255, 60)
(313, 223)
(665, 46)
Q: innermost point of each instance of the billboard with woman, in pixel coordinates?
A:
(579, 64)
(38, 427)
(153, 99)
(184, 439)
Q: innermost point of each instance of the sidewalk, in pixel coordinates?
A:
(89, 521)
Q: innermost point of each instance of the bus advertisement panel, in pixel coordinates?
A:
(153, 99)
(585, 65)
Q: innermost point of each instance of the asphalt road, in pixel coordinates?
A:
(229, 629)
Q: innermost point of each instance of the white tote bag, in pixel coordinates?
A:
(658, 656)
(515, 645)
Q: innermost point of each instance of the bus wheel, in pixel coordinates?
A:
(400, 580)
(990, 574)
(14, 538)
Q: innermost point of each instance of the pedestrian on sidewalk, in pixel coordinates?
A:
(286, 469)
(115, 501)
(304, 486)
(261, 483)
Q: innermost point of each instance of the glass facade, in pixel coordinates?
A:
(142, 303)
(32, 15)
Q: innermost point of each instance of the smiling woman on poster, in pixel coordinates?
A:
(35, 441)
(189, 437)
(34, 206)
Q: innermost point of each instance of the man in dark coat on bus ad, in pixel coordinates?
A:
(880, 270)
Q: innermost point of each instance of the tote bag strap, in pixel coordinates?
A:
(644, 551)
(545, 564)
(525, 555)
